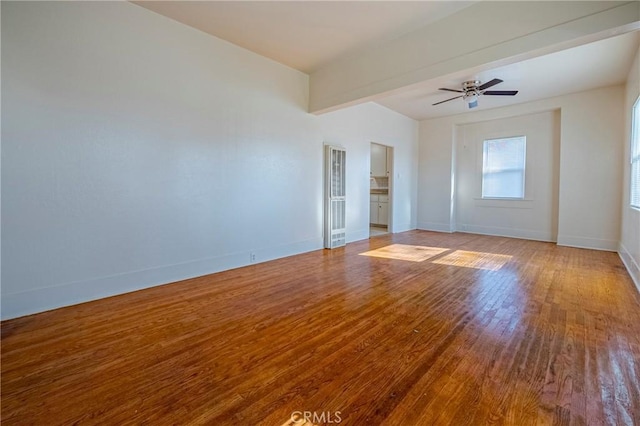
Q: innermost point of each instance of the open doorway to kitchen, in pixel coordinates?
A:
(380, 176)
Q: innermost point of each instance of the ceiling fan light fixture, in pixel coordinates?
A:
(470, 97)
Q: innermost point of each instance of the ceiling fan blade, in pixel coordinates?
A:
(500, 92)
(451, 90)
(441, 102)
(490, 84)
(473, 104)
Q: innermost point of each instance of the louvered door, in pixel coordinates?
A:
(335, 197)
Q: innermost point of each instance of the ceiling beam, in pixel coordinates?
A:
(484, 35)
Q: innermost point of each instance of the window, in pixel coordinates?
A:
(634, 197)
(503, 163)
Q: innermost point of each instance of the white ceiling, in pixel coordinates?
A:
(602, 63)
(306, 35)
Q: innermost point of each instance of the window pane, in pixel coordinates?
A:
(503, 165)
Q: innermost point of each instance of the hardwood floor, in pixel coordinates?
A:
(552, 336)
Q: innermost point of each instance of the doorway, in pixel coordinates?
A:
(380, 185)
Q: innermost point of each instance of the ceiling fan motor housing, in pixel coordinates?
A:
(470, 85)
(471, 88)
(471, 92)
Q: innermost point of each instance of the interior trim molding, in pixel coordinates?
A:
(587, 243)
(435, 226)
(527, 234)
(403, 228)
(48, 298)
(358, 235)
(630, 263)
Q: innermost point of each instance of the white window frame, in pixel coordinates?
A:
(634, 155)
(524, 168)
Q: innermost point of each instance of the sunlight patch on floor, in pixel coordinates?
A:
(474, 259)
(406, 252)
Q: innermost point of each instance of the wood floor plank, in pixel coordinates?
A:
(489, 331)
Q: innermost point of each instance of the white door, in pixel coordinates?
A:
(378, 160)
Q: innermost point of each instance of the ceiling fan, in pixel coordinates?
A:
(472, 89)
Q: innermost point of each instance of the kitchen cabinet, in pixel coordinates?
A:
(379, 160)
(383, 213)
(379, 209)
(373, 212)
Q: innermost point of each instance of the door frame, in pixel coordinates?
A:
(390, 164)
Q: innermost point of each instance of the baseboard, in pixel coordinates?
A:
(435, 226)
(360, 234)
(45, 299)
(587, 243)
(526, 234)
(630, 263)
(403, 228)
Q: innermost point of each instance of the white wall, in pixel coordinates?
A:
(138, 151)
(436, 173)
(630, 234)
(536, 216)
(591, 144)
(355, 128)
